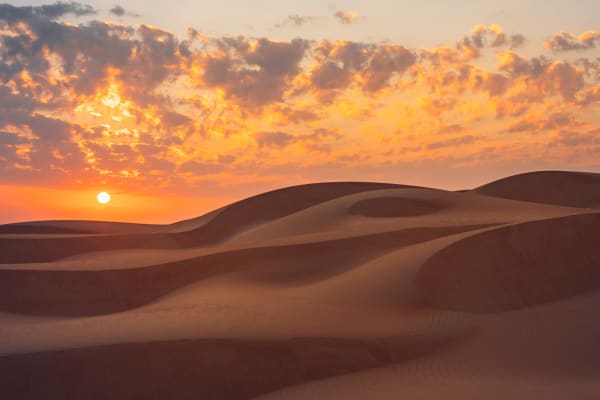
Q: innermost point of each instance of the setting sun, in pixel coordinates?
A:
(103, 198)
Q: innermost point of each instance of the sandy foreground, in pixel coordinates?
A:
(333, 290)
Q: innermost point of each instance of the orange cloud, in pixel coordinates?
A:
(566, 41)
(138, 107)
(346, 17)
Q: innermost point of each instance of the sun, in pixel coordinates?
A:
(103, 197)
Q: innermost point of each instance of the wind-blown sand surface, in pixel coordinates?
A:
(333, 290)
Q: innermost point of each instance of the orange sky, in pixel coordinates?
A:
(175, 126)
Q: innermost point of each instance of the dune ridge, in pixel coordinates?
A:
(574, 189)
(98, 292)
(76, 227)
(225, 223)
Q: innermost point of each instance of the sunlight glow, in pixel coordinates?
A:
(103, 198)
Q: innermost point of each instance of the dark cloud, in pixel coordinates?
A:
(517, 40)
(564, 78)
(522, 126)
(155, 56)
(60, 9)
(10, 138)
(52, 147)
(85, 52)
(118, 11)
(589, 96)
(494, 84)
(319, 140)
(516, 65)
(300, 20)
(450, 129)
(254, 72)
(554, 121)
(385, 61)
(338, 62)
(12, 14)
(296, 115)
(490, 36)
(143, 57)
(15, 105)
(273, 139)
(51, 143)
(172, 119)
(565, 41)
(583, 140)
(330, 75)
(296, 20)
(471, 46)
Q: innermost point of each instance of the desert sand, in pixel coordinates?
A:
(334, 290)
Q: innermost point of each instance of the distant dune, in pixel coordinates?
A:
(572, 189)
(346, 290)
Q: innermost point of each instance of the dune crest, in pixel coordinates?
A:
(202, 231)
(572, 189)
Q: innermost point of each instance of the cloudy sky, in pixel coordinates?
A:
(179, 107)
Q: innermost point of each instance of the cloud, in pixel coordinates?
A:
(347, 17)
(296, 20)
(273, 139)
(118, 11)
(13, 14)
(254, 72)
(385, 61)
(338, 64)
(457, 141)
(492, 36)
(139, 106)
(565, 41)
(516, 65)
(558, 120)
(300, 20)
(589, 95)
(10, 138)
(320, 140)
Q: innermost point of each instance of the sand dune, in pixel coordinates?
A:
(97, 292)
(573, 189)
(199, 369)
(201, 231)
(334, 290)
(76, 227)
(515, 266)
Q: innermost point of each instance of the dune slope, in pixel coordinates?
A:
(515, 266)
(573, 189)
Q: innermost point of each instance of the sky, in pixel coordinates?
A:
(177, 108)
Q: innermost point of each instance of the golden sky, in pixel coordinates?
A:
(173, 125)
